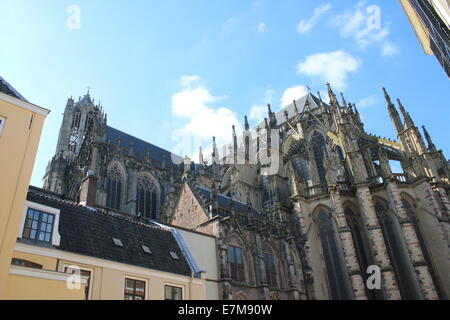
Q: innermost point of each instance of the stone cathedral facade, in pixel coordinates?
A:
(306, 205)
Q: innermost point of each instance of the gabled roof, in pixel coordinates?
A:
(89, 232)
(229, 203)
(141, 148)
(6, 88)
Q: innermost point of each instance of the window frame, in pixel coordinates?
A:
(55, 236)
(145, 281)
(90, 281)
(2, 124)
(176, 287)
(237, 269)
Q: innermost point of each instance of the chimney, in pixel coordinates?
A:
(88, 190)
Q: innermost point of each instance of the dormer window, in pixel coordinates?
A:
(146, 249)
(40, 224)
(174, 255)
(117, 242)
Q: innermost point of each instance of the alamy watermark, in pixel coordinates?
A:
(73, 21)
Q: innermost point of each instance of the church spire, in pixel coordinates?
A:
(393, 113)
(247, 127)
(344, 103)
(200, 156)
(408, 121)
(431, 146)
(334, 102)
(235, 146)
(295, 108)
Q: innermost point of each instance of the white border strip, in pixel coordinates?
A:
(42, 274)
(23, 104)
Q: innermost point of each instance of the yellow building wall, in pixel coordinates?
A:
(18, 147)
(29, 288)
(107, 278)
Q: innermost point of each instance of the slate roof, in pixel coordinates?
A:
(141, 148)
(229, 203)
(89, 232)
(6, 88)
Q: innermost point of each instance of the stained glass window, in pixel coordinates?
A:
(335, 269)
(301, 169)
(399, 258)
(146, 198)
(236, 262)
(114, 188)
(271, 274)
(318, 146)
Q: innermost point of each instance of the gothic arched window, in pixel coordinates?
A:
(147, 197)
(268, 195)
(236, 262)
(114, 187)
(301, 169)
(318, 146)
(76, 119)
(404, 270)
(271, 270)
(336, 272)
(409, 207)
(354, 223)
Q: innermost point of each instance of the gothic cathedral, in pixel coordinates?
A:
(306, 205)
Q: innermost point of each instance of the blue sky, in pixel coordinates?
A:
(161, 68)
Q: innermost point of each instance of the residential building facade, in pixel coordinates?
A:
(21, 124)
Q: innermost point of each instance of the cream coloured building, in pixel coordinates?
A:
(21, 124)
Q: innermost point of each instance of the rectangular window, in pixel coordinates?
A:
(134, 289)
(173, 293)
(38, 226)
(236, 264)
(83, 273)
(2, 124)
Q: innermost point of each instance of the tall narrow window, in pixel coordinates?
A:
(404, 271)
(268, 196)
(146, 198)
(301, 169)
(236, 264)
(76, 119)
(38, 226)
(353, 221)
(134, 289)
(114, 188)
(334, 262)
(271, 273)
(411, 212)
(318, 146)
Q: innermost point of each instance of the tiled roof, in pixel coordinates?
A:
(229, 203)
(141, 148)
(6, 88)
(89, 232)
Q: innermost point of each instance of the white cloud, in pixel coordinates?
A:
(194, 103)
(363, 25)
(259, 111)
(332, 67)
(307, 24)
(367, 102)
(389, 49)
(262, 27)
(293, 93)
